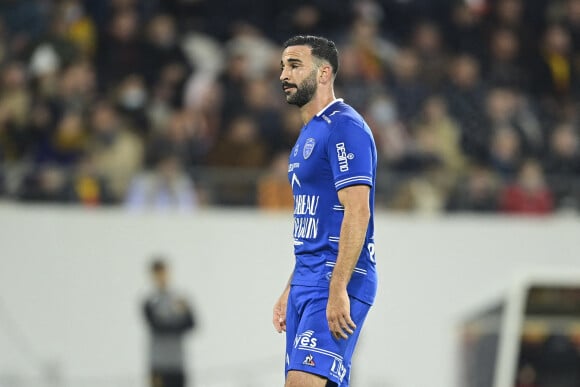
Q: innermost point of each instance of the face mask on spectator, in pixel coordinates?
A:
(133, 98)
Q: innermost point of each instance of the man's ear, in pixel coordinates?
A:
(325, 73)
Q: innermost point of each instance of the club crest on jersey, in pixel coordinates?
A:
(308, 147)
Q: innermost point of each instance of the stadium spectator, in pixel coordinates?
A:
(436, 124)
(166, 187)
(352, 83)
(562, 166)
(465, 94)
(15, 102)
(120, 51)
(38, 132)
(421, 193)
(529, 194)
(232, 82)
(185, 135)
(117, 152)
(162, 49)
(510, 14)
(254, 46)
(393, 139)
(166, 66)
(571, 20)
(476, 192)
(241, 147)
(505, 153)
(465, 30)
(502, 66)
(407, 87)
(131, 98)
(427, 41)
(77, 89)
(79, 28)
(506, 107)
(267, 115)
(555, 76)
(373, 53)
(68, 142)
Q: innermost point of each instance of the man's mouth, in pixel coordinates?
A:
(288, 86)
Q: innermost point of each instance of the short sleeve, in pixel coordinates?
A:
(352, 154)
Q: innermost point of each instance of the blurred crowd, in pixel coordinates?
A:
(177, 103)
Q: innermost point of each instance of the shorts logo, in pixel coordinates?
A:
(338, 369)
(343, 157)
(309, 360)
(308, 147)
(305, 340)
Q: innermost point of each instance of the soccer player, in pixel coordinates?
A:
(332, 172)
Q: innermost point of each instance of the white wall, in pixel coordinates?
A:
(71, 282)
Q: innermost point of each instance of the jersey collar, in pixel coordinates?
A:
(329, 105)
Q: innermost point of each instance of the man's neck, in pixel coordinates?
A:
(316, 104)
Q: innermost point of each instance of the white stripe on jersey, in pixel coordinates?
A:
(356, 269)
(362, 179)
(322, 351)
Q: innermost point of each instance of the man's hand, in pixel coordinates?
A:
(338, 313)
(279, 317)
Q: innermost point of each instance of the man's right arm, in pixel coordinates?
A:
(279, 317)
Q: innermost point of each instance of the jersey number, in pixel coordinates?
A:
(371, 248)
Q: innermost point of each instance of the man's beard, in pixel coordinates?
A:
(304, 91)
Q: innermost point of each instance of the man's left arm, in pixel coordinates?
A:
(188, 317)
(355, 200)
(180, 321)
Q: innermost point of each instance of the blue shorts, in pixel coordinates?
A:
(310, 347)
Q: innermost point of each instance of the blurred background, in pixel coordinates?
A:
(130, 128)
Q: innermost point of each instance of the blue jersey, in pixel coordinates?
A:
(335, 150)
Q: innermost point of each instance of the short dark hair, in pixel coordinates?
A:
(322, 48)
(158, 264)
